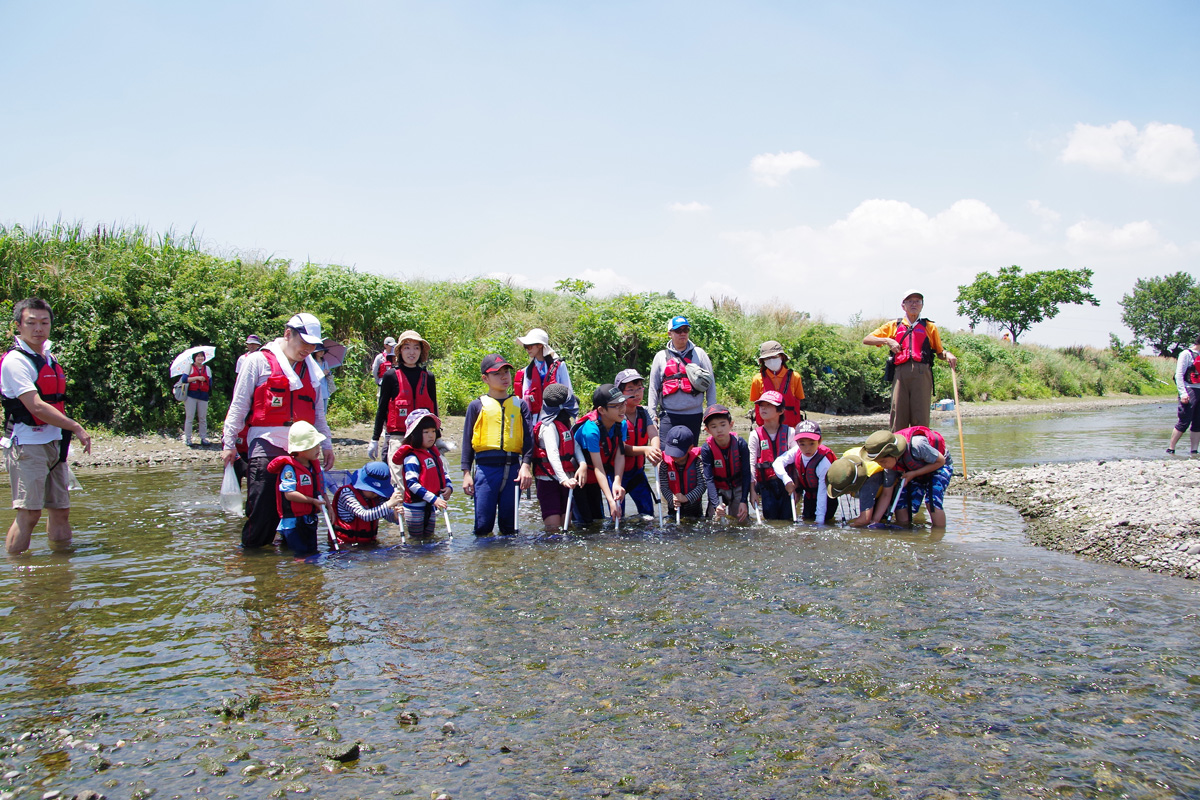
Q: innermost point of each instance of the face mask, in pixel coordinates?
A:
(773, 364)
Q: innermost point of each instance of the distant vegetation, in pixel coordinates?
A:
(126, 301)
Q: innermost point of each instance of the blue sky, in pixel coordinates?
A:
(830, 157)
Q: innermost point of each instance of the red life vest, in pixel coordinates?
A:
(791, 405)
(680, 477)
(357, 531)
(309, 482)
(407, 401)
(433, 475)
(906, 462)
(674, 376)
(385, 364)
(199, 386)
(566, 450)
(610, 444)
(1192, 376)
(637, 434)
(51, 385)
(275, 404)
(914, 343)
(538, 384)
(770, 449)
(806, 474)
(727, 464)
(241, 445)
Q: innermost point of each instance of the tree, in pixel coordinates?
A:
(1163, 312)
(1017, 301)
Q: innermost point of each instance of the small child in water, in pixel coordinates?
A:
(770, 440)
(426, 484)
(918, 455)
(680, 477)
(360, 504)
(806, 464)
(301, 488)
(554, 463)
(725, 459)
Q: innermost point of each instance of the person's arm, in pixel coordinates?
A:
(885, 334)
(747, 474)
(348, 508)
(822, 495)
(322, 425)
(389, 387)
(549, 433)
(664, 487)
(239, 405)
(1181, 368)
(655, 384)
(756, 388)
(412, 480)
(525, 475)
(34, 403)
(597, 466)
(798, 388)
(922, 450)
(563, 377)
(468, 451)
(706, 467)
(781, 464)
(431, 387)
(654, 451)
(711, 392)
(935, 342)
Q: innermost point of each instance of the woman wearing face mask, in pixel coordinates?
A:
(774, 376)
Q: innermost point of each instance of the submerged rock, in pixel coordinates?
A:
(339, 751)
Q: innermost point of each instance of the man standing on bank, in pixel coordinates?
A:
(914, 341)
(276, 387)
(34, 388)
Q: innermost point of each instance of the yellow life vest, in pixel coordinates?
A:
(498, 426)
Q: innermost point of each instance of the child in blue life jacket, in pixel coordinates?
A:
(301, 488)
(497, 449)
(805, 464)
(600, 449)
(919, 457)
(361, 503)
(554, 462)
(769, 441)
(680, 476)
(641, 441)
(725, 459)
(426, 484)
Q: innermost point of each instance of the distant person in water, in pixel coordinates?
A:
(1187, 381)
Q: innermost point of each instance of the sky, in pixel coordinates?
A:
(830, 157)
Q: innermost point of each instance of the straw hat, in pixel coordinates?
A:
(413, 336)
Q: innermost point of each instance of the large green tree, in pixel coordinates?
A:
(1017, 300)
(1163, 312)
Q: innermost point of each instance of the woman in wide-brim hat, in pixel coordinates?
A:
(407, 387)
(775, 376)
(545, 368)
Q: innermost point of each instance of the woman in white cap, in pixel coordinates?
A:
(544, 368)
(407, 387)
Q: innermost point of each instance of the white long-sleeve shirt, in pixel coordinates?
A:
(794, 456)
(1186, 358)
(255, 372)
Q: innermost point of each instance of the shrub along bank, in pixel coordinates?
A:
(126, 302)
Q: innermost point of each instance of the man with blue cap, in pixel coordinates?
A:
(681, 381)
(361, 503)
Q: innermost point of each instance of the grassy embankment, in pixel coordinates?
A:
(126, 301)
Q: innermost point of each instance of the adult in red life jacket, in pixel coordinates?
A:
(920, 457)
(774, 375)
(406, 387)
(37, 431)
(276, 387)
(1187, 381)
(383, 360)
(426, 485)
(359, 504)
(725, 460)
(300, 493)
(914, 343)
(599, 439)
(805, 466)
(545, 368)
(681, 381)
(195, 405)
(680, 475)
(554, 461)
(770, 440)
(253, 345)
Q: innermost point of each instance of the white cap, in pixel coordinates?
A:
(535, 336)
(389, 342)
(308, 326)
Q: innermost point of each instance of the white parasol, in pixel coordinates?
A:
(183, 362)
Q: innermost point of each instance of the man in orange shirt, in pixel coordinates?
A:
(914, 342)
(775, 376)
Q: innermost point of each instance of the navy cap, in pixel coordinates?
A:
(679, 441)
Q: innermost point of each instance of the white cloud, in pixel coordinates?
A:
(1091, 234)
(1160, 151)
(1048, 216)
(772, 168)
(689, 208)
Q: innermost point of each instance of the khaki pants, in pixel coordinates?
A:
(912, 393)
(36, 483)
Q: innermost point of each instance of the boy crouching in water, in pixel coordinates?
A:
(806, 465)
(918, 455)
(426, 484)
(725, 459)
(680, 477)
(301, 489)
(855, 474)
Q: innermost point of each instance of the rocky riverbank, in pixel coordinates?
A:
(1143, 514)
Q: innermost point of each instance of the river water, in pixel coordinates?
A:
(775, 661)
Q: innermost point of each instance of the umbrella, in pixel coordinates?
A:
(335, 354)
(183, 362)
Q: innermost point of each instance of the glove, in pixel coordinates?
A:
(373, 450)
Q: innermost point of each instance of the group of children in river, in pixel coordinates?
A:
(584, 466)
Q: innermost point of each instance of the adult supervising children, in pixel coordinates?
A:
(253, 345)
(195, 405)
(276, 387)
(405, 388)
(545, 368)
(914, 343)
(1187, 381)
(37, 431)
(681, 381)
(774, 375)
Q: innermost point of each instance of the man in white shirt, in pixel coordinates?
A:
(37, 431)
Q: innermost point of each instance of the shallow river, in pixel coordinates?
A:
(774, 661)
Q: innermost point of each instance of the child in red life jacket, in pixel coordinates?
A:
(554, 463)
(805, 465)
(360, 504)
(426, 484)
(301, 489)
(641, 441)
(769, 441)
(600, 450)
(725, 459)
(680, 477)
(919, 455)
